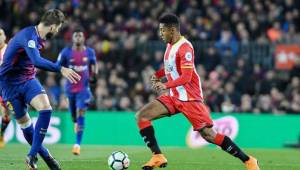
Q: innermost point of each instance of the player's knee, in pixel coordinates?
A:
(81, 112)
(24, 121)
(140, 116)
(44, 107)
(209, 137)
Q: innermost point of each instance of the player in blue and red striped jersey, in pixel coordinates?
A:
(20, 88)
(83, 60)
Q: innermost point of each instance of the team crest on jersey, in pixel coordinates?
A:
(31, 44)
(188, 56)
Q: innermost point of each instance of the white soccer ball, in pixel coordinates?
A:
(118, 160)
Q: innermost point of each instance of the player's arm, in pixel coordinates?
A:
(34, 55)
(157, 76)
(184, 78)
(93, 67)
(61, 59)
(186, 65)
(160, 73)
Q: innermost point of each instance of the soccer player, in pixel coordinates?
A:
(83, 60)
(20, 88)
(5, 114)
(185, 97)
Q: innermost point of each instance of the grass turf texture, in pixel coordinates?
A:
(94, 157)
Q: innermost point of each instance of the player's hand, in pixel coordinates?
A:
(70, 74)
(159, 86)
(154, 78)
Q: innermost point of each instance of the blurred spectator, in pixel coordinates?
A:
(124, 35)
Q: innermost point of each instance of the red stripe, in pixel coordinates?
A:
(144, 124)
(219, 139)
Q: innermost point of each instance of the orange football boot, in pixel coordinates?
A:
(252, 164)
(76, 149)
(157, 160)
(2, 143)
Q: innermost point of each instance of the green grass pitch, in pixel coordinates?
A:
(94, 157)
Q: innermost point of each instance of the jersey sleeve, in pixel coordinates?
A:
(92, 56)
(160, 73)
(62, 58)
(186, 55)
(30, 46)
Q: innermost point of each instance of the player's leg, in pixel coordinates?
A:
(28, 131)
(73, 109)
(36, 97)
(42, 105)
(198, 115)
(154, 110)
(18, 109)
(79, 132)
(4, 122)
(82, 102)
(228, 146)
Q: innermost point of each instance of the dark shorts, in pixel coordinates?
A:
(17, 97)
(195, 111)
(80, 100)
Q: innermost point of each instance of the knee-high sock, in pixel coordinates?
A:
(80, 127)
(28, 135)
(40, 131)
(230, 147)
(147, 133)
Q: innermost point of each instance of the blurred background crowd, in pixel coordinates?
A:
(234, 43)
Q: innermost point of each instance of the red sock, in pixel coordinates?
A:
(219, 139)
(144, 124)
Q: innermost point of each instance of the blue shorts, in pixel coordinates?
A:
(17, 97)
(80, 100)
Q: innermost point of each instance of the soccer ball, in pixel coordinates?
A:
(118, 160)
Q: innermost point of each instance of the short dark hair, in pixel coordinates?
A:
(53, 16)
(169, 19)
(78, 29)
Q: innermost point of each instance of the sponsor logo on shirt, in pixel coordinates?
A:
(168, 67)
(78, 68)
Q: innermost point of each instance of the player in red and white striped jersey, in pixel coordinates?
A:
(5, 114)
(185, 97)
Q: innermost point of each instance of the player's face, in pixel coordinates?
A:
(2, 37)
(78, 38)
(165, 33)
(53, 30)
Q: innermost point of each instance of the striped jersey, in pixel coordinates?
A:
(179, 56)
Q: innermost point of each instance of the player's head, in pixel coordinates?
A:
(168, 26)
(78, 37)
(2, 37)
(52, 21)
